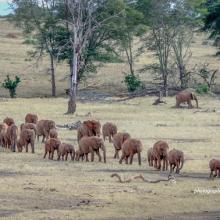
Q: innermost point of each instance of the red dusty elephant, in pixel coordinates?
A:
(129, 148)
(160, 149)
(214, 166)
(109, 130)
(118, 140)
(176, 160)
(89, 128)
(90, 145)
(43, 128)
(186, 96)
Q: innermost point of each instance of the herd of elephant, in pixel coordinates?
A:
(90, 142)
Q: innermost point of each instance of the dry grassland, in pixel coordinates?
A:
(36, 188)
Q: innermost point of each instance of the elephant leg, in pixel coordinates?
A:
(110, 139)
(126, 159)
(171, 168)
(87, 160)
(155, 163)
(66, 156)
(45, 154)
(92, 155)
(43, 139)
(215, 173)
(218, 172)
(62, 157)
(99, 156)
(211, 174)
(189, 104)
(58, 157)
(164, 164)
(52, 154)
(32, 147)
(177, 166)
(159, 164)
(131, 158)
(177, 104)
(122, 158)
(116, 153)
(26, 147)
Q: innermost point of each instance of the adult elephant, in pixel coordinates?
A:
(89, 128)
(160, 150)
(90, 145)
(186, 96)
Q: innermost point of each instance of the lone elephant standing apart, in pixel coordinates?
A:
(129, 148)
(186, 96)
(214, 166)
(90, 145)
(89, 128)
(118, 140)
(160, 149)
(109, 130)
(176, 159)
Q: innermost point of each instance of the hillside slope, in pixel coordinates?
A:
(35, 77)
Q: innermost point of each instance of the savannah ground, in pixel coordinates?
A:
(36, 188)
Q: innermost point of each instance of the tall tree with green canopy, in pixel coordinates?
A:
(212, 20)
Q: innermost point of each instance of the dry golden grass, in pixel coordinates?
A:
(36, 188)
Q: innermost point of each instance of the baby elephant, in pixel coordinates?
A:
(118, 140)
(51, 145)
(176, 159)
(109, 130)
(129, 148)
(27, 137)
(90, 145)
(214, 166)
(151, 157)
(186, 96)
(65, 150)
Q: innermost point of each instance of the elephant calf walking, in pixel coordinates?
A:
(90, 145)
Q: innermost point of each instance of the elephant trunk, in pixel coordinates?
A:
(104, 153)
(182, 162)
(197, 105)
(139, 158)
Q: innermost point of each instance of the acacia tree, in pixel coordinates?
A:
(38, 19)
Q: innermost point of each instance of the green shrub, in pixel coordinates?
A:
(11, 85)
(132, 82)
(202, 89)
